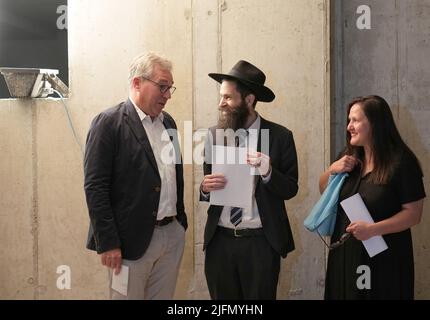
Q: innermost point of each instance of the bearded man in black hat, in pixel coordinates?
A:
(243, 246)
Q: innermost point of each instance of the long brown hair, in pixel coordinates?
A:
(386, 143)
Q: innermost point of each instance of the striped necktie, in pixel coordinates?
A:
(236, 212)
(236, 216)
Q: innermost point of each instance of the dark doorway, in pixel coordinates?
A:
(33, 34)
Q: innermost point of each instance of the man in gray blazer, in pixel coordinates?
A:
(134, 195)
(243, 246)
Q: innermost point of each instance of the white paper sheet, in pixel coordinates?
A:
(231, 162)
(120, 280)
(356, 210)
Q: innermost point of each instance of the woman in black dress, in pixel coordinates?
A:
(387, 175)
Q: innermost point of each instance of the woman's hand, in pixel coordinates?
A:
(344, 164)
(361, 230)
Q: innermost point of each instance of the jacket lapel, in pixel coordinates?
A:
(173, 135)
(263, 125)
(133, 121)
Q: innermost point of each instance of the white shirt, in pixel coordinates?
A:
(250, 216)
(155, 130)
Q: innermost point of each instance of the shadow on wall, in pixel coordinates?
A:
(298, 279)
(413, 127)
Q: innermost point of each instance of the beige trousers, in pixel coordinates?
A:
(154, 275)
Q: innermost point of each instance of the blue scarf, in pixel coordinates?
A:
(323, 215)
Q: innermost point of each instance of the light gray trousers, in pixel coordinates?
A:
(154, 275)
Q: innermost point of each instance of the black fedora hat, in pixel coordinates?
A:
(250, 76)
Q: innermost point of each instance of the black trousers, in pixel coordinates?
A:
(241, 267)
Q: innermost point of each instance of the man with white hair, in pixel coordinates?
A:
(134, 197)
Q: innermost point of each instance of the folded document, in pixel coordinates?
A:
(120, 280)
(356, 210)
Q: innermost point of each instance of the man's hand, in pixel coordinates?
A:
(260, 161)
(112, 259)
(212, 182)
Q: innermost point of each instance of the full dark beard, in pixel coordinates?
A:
(233, 118)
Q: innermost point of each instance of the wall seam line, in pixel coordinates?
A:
(35, 202)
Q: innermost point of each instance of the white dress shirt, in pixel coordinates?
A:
(155, 130)
(250, 216)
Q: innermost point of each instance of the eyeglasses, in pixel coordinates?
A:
(163, 87)
(338, 243)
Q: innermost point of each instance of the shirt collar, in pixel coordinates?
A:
(142, 115)
(256, 124)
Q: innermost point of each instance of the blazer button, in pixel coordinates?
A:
(157, 189)
(154, 213)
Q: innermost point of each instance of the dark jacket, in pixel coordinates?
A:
(270, 197)
(122, 183)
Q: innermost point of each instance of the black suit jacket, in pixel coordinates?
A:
(122, 182)
(270, 196)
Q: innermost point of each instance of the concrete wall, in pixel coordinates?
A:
(289, 41)
(44, 218)
(16, 201)
(43, 215)
(392, 60)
